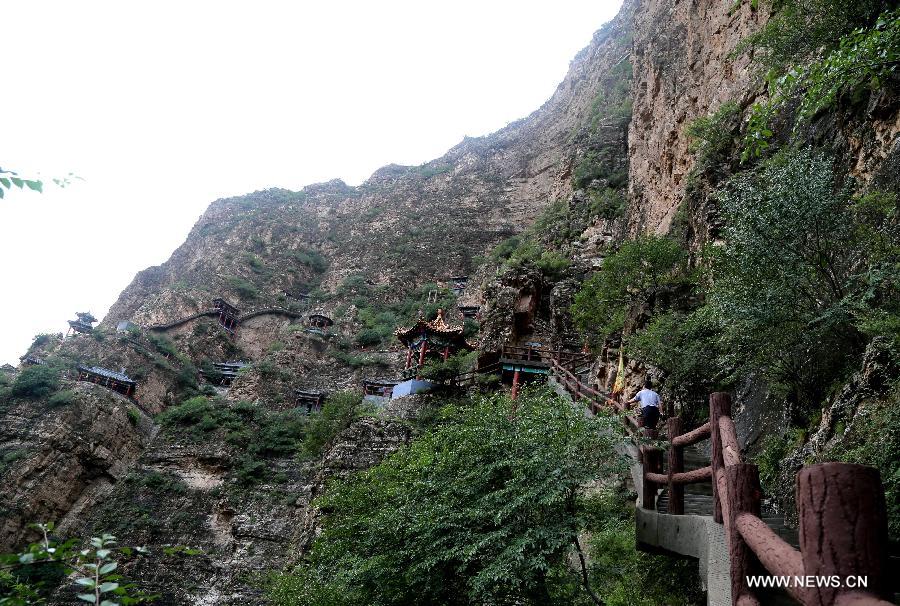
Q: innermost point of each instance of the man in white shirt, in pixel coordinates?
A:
(649, 404)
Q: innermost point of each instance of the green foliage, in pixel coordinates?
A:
(553, 229)
(62, 398)
(312, 259)
(606, 203)
(134, 417)
(27, 577)
(711, 137)
(775, 447)
(441, 371)
(10, 178)
(257, 433)
(798, 276)
(482, 509)
(624, 576)
(431, 170)
(255, 263)
(874, 439)
(339, 411)
(817, 52)
(11, 456)
(36, 382)
(627, 276)
(244, 288)
(801, 29)
(688, 347)
(592, 167)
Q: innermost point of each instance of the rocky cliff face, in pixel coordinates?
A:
(682, 71)
(616, 124)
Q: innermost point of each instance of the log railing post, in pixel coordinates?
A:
(719, 406)
(675, 428)
(843, 528)
(743, 496)
(652, 459)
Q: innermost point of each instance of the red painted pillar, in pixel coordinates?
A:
(515, 385)
(409, 357)
(446, 353)
(422, 350)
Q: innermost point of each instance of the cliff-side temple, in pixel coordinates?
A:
(228, 314)
(116, 381)
(435, 339)
(469, 312)
(83, 324)
(223, 373)
(318, 323)
(309, 400)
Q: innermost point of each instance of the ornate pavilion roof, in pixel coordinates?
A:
(452, 333)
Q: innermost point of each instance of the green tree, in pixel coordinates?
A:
(483, 509)
(626, 277)
(796, 273)
(338, 412)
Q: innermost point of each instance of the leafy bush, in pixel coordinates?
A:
(244, 288)
(36, 382)
(452, 367)
(483, 509)
(817, 52)
(62, 398)
(627, 276)
(592, 167)
(312, 259)
(795, 275)
(339, 411)
(606, 203)
(711, 137)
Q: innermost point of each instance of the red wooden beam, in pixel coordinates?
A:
(731, 451)
(719, 406)
(843, 529)
(692, 437)
(674, 427)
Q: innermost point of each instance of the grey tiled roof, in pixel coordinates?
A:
(105, 372)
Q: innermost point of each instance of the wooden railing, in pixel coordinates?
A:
(546, 355)
(594, 399)
(843, 524)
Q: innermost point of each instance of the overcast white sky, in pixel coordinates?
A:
(163, 107)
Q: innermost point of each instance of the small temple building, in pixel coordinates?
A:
(228, 314)
(318, 322)
(29, 360)
(310, 400)
(458, 284)
(116, 381)
(435, 339)
(84, 323)
(378, 390)
(469, 312)
(225, 372)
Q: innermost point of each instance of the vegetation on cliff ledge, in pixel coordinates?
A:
(498, 502)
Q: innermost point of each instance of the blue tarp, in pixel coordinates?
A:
(410, 387)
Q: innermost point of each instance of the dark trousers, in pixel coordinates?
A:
(649, 416)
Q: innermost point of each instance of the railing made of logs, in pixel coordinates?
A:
(595, 400)
(843, 522)
(546, 355)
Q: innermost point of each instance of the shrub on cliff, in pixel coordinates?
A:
(486, 508)
(800, 273)
(626, 277)
(35, 382)
(339, 411)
